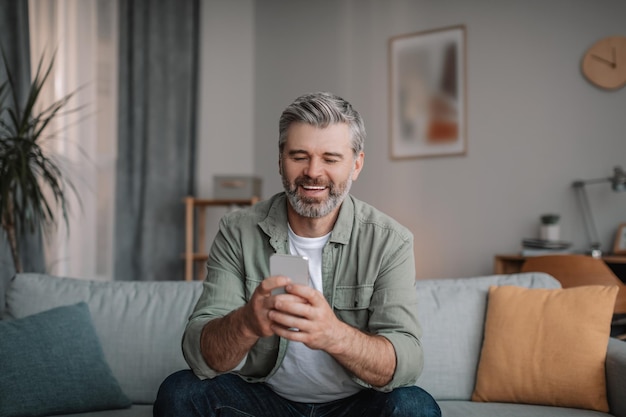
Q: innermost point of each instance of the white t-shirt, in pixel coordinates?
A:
(307, 375)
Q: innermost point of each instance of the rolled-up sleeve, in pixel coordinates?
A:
(223, 291)
(191, 349)
(393, 314)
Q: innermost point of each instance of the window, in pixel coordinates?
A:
(84, 35)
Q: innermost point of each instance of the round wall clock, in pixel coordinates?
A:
(604, 63)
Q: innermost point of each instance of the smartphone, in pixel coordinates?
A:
(293, 266)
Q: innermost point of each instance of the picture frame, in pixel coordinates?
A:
(619, 246)
(427, 93)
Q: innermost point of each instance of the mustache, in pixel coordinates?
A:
(300, 181)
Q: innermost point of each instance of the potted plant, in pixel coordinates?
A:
(32, 184)
(550, 229)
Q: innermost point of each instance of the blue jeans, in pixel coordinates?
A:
(182, 394)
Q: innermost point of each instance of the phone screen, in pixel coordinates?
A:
(292, 266)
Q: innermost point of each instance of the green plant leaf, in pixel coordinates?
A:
(34, 190)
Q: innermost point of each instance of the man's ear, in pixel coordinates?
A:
(280, 165)
(358, 165)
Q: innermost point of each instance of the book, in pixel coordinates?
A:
(545, 244)
(542, 252)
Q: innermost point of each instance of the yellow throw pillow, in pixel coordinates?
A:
(546, 346)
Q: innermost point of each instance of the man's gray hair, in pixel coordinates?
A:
(321, 110)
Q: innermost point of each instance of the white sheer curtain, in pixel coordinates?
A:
(84, 35)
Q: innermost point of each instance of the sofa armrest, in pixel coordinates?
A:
(616, 377)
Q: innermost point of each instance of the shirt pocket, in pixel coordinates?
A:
(351, 304)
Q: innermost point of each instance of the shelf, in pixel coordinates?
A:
(195, 224)
(196, 257)
(199, 202)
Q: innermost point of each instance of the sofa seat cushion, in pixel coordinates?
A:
(140, 324)
(52, 363)
(452, 314)
(546, 347)
(468, 409)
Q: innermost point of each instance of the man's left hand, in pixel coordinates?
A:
(318, 327)
(370, 357)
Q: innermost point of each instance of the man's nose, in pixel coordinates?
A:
(314, 168)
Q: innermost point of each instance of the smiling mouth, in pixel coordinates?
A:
(313, 193)
(313, 187)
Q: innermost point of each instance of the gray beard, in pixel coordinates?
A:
(313, 208)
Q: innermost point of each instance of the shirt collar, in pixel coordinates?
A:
(275, 224)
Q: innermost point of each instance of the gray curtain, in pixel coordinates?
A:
(15, 42)
(157, 119)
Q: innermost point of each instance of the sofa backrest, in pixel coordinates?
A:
(140, 324)
(452, 315)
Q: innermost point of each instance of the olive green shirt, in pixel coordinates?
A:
(368, 276)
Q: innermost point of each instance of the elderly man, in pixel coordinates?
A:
(347, 344)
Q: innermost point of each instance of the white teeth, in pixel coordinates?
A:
(308, 187)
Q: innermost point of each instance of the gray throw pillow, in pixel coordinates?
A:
(52, 363)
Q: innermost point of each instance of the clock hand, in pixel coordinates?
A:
(599, 58)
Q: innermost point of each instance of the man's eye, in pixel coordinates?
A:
(299, 158)
(331, 161)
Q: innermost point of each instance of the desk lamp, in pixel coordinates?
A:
(618, 183)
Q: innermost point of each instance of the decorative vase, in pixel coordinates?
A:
(550, 228)
(550, 232)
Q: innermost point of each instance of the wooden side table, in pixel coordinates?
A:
(512, 263)
(508, 264)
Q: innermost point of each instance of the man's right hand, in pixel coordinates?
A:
(256, 311)
(225, 341)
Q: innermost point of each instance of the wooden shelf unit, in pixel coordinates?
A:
(195, 225)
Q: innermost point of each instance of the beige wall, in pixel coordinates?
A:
(226, 104)
(534, 123)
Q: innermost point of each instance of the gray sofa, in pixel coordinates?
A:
(140, 324)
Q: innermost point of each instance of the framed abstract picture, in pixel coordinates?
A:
(427, 116)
